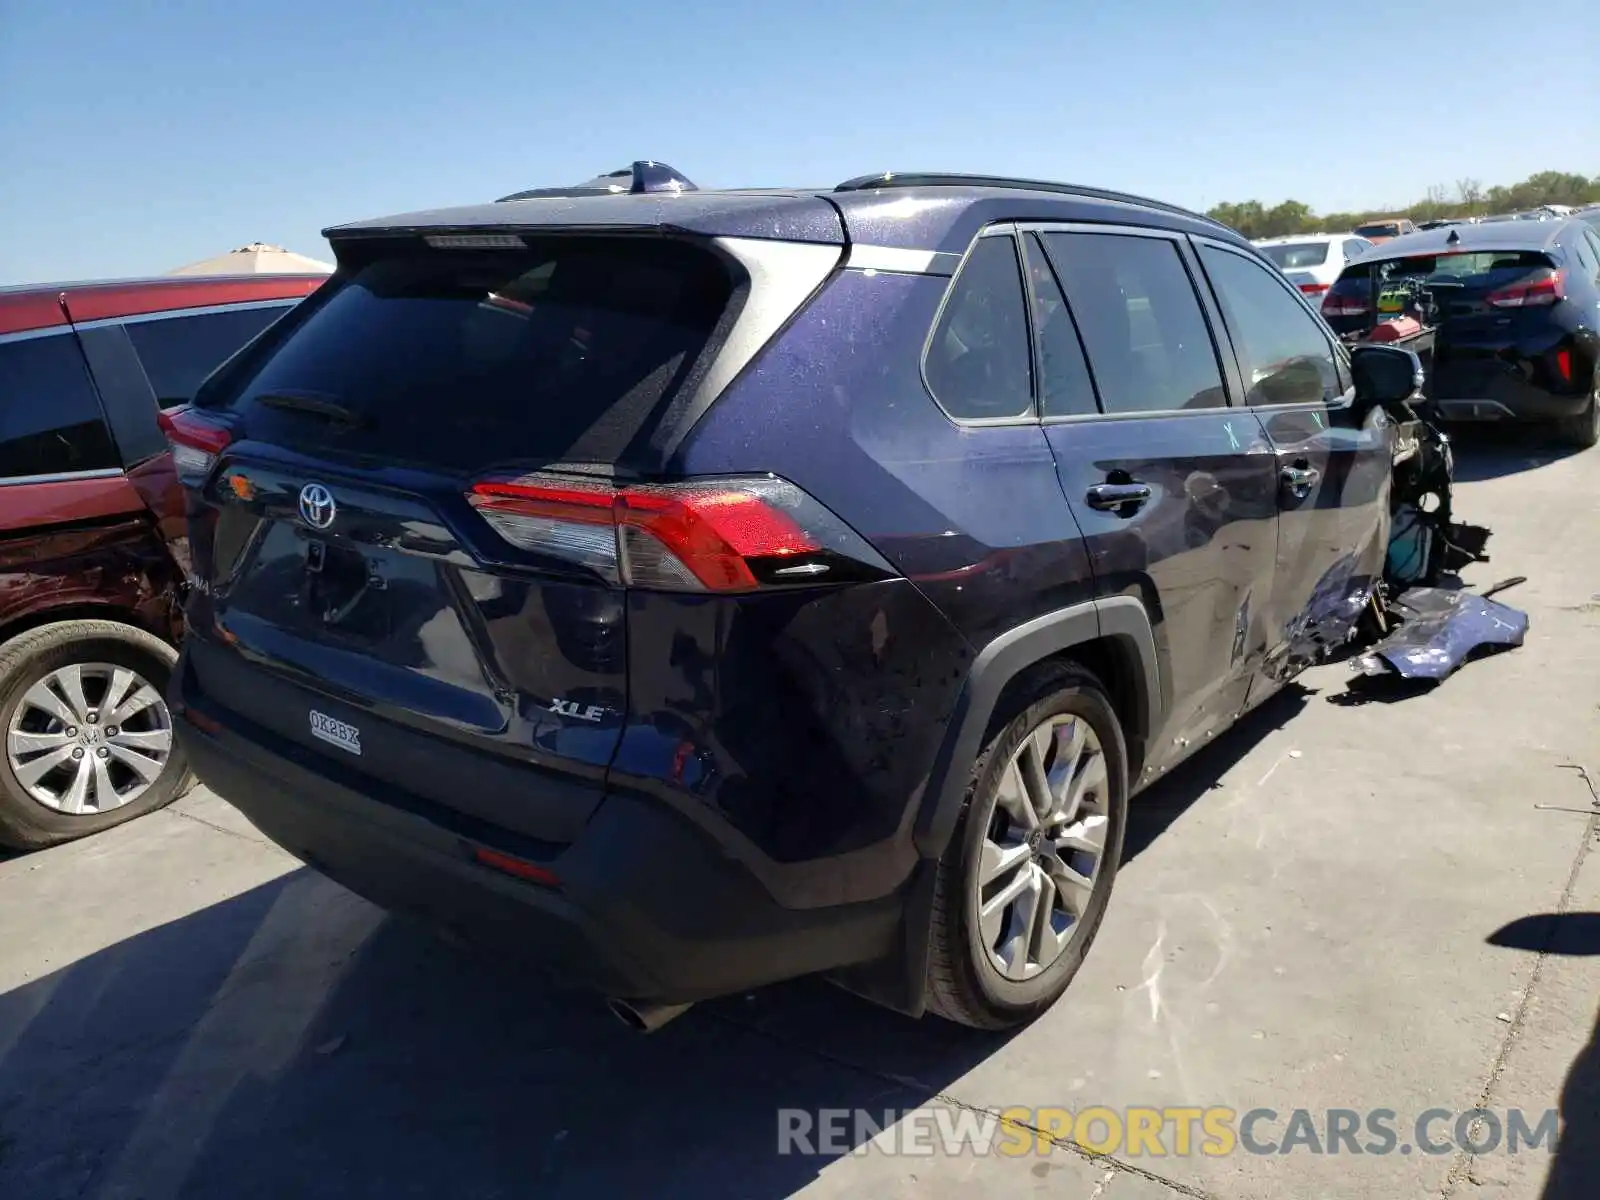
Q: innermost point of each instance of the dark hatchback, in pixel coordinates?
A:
(1516, 309)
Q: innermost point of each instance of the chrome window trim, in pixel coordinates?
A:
(62, 476)
(25, 335)
(897, 261)
(171, 314)
(1031, 417)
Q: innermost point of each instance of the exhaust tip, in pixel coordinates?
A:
(643, 1017)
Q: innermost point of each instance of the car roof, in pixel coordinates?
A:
(45, 305)
(1291, 239)
(898, 211)
(1495, 235)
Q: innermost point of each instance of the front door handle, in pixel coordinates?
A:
(1300, 479)
(1124, 499)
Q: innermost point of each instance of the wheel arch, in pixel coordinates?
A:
(1112, 637)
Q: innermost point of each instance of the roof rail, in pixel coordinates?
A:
(642, 177)
(893, 179)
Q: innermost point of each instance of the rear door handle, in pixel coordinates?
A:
(1300, 480)
(1124, 499)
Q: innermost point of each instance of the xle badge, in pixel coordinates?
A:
(571, 708)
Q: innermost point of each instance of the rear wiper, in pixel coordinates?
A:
(316, 406)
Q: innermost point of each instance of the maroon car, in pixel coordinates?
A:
(92, 547)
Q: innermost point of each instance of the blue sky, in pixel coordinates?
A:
(137, 136)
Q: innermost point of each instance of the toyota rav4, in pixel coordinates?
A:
(696, 589)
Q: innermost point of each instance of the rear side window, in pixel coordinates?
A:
(1284, 355)
(456, 359)
(1142, 324)
(179, 352)
(1065, 389)
(50, 419)
(977, 362)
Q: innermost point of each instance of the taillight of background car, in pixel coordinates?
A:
(196, 442)
(1544, 287)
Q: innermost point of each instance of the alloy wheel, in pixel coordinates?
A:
(88, 738)
(1043, 851)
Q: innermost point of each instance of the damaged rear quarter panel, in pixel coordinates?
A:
(120, 566)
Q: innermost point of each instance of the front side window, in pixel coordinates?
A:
(179, 352)
(50, 419)
(978, 362)
(1141, 321)
(1284, 355)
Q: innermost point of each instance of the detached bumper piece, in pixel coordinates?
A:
(1440, 629)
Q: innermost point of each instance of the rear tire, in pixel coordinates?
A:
(28, 734)
(1582, 430)
(996, 963)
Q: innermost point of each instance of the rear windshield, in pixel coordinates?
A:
(1295, 255)
(566, 351)
(1482, 269)
(1379, 229)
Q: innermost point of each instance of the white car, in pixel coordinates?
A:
(1312, 261)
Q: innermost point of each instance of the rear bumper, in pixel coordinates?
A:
(1498, 391)
(648, 908)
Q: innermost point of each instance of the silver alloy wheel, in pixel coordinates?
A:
(88, 738)
(1043, 850)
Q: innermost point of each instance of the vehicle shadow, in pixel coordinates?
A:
(1163, 802)
(1491, 452)
(291, 1041)
(1575, 1172)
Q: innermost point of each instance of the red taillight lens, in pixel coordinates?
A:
(1545, 286)
(1314, 289)
(195, 442)
(1344, 304)
(1564, 364)
(726, 535)
(521, 868)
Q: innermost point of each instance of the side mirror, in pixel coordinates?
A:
(1385, 375)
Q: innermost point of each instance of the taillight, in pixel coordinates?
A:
(1545, 286)
(1344, 304)
(1314, 289)
(1564, 364)
(722, 535)
(196, 442)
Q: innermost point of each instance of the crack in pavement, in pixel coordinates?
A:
(943, 1097)
(1461, 1168)
(234, 833)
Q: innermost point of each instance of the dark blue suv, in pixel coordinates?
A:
(703, 588)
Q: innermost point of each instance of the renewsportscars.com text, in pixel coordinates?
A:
(1140, 1132)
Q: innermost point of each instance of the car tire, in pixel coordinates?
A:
(64, 670)
(996, 963)
(1582, 430)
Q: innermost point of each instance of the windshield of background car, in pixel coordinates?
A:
(1479, 270)
(1380, 229)
(1292, 256)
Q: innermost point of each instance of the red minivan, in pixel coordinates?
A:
(92, 542)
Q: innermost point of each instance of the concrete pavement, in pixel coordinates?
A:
(1345, 903)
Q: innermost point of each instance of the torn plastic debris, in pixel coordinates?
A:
(1439, 629)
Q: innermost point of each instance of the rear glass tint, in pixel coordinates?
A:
(567, 351)
(1479, 269)
(1298, 255)
(1380, 229)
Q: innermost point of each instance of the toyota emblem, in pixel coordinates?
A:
(317, 508)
